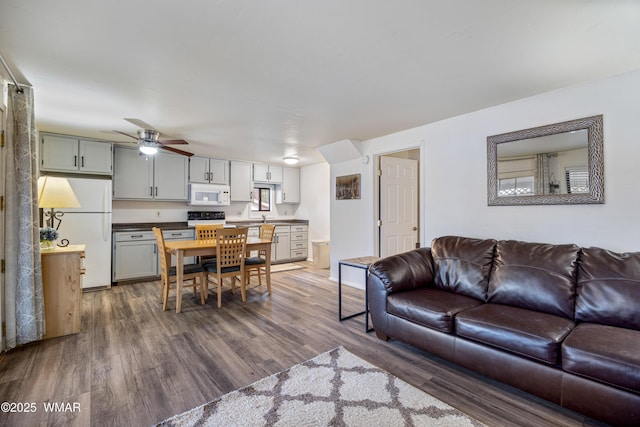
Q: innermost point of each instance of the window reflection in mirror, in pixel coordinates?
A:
(561, 163)
(544, 165)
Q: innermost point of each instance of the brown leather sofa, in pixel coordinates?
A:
(558, 321)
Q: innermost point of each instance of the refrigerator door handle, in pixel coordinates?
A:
(105, 218)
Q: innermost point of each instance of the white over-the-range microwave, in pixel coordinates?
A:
(209, 194)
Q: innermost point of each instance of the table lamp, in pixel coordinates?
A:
(55, 192)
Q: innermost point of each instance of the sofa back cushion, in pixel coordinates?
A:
(536, 276)
(405, 271)
(609, 288)
(462, 265)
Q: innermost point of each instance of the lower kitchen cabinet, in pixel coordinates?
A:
(135, 254)
(299, 249)
(281, 247)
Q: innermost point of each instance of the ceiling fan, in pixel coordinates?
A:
(148, 141)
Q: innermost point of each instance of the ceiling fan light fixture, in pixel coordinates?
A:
(290, 160)
(148, 149)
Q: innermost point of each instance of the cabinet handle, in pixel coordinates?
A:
(75, 160)
(206, 176)
(155, 249)
(284, 196)
(151, 191)
(156, 191)
(176, 234)
(136, 236)
(82, 161)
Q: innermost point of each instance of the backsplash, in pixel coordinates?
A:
(140, 211)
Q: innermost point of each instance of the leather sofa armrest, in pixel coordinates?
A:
(403, 272)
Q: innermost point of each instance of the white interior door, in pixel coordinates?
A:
(398, 205)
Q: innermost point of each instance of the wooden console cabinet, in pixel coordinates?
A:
(62, 282)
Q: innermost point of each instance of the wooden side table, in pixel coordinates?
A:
(62, 285)
(362, 263)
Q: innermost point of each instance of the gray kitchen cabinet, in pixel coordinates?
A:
(241, 182)
(135, 255)
(170, 176)
(62, 153)
(161, 176)
(267, 173)
(289, 191)
(299, 242)
(204, 170)
(281, 246)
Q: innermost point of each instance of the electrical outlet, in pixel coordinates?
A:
(157, 214)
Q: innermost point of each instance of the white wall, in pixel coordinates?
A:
(315, 201)
(454, 168)
(125, 211)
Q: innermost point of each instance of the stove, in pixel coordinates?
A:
(205, 217)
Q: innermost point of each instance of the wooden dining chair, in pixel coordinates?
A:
(192, 272)
(207, 232)
(231, 245)
(257, 266)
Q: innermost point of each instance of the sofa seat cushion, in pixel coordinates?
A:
(433, 308)
(528, 333)
(605, 353)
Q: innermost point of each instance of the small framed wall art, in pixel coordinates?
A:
(348, 187)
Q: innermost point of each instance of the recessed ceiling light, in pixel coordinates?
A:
(290, 160)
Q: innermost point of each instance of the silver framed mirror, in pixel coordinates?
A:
(557, 164)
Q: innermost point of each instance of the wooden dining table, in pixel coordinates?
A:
(186, 248)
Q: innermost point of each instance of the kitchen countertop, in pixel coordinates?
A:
(147, 226)
(257, 223)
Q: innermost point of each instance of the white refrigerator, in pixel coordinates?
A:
(90, 224)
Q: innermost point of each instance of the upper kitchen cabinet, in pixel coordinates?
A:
(208, 171)
(241, 182)
(161, 176)
(61, 153)
(267, 173)
(289, 192)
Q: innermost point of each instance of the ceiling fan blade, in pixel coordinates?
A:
(177, 151)
(141, 124)
(126, 134)
(173, 142)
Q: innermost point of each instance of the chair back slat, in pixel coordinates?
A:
(207, 231)
(231, 244)
(266, 232)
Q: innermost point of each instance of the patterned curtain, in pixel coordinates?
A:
(24, 309)
(542, 174)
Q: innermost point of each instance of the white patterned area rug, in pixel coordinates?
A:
(335, 388)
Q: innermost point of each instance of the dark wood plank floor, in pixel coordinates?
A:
(135, 365)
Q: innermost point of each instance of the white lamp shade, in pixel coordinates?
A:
(54, 192)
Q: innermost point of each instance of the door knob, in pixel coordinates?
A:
(415, 228)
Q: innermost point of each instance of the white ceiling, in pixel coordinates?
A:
(258, 80)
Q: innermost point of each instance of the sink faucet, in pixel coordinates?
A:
(264, 219)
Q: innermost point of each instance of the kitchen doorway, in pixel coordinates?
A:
(398, 204)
